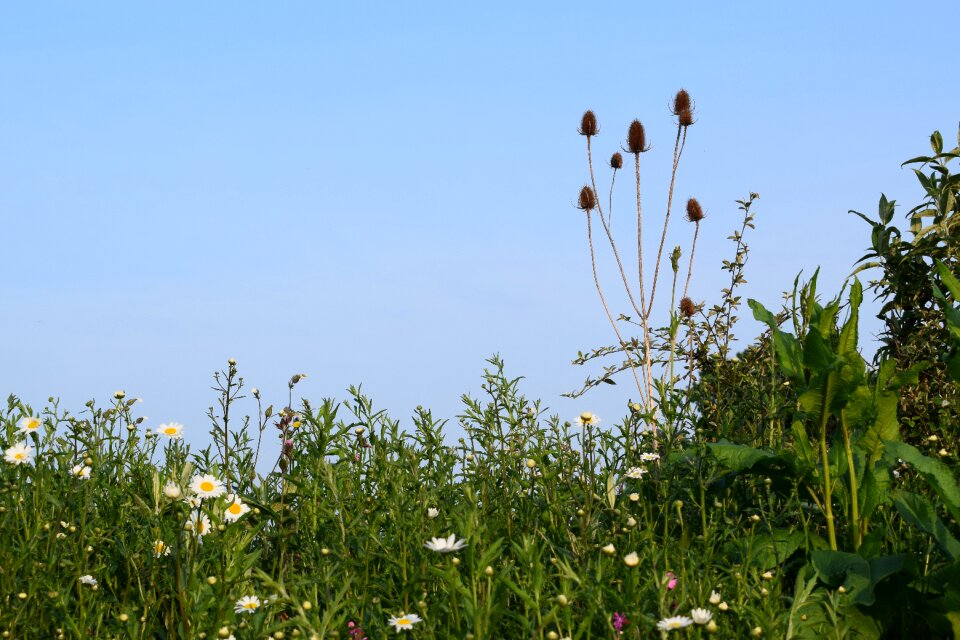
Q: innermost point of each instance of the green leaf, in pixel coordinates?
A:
(936, 142)
(737, 457)
(949, 280)
(839, 568)
(936, 473)
(817, 354)
(766, 550)
(918, 511)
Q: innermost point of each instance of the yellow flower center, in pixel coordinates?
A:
(170, 431)
(19, 456)
(674, 624)
(250, 605)
(403, 620)
(206, 485)
(235, 508)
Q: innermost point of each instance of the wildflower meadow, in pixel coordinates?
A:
(781, 487)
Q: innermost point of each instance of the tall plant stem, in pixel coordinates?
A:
(623, 275)
(855, 532)
(827, 488)
(603, 301)
(693, 249)
(677, 152)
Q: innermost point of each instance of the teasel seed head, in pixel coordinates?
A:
(687, 307)
(616, 161)
(588, 200)
(681, 102)
(685, 118)
(694, 211)
(588, 124)
(636, 138)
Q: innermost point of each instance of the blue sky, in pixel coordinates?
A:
(382, 193)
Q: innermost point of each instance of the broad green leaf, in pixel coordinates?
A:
(737, 457)
(949, 280)
(938, 474)
(849, 570)
(766, 550)
(918, 511)
(848, 335)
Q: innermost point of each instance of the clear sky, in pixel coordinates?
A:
(382, 193)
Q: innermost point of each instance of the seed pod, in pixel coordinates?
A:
(687, 307)
(588, 124)
(616, 160)
(694, 211)
(636, 138)
(588, 200)
(681, 102)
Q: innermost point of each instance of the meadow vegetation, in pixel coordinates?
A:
(784, 488)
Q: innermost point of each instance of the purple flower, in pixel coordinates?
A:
(671, 581)
(620, 621)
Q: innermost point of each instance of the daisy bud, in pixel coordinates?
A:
(553, 635)
(531, 463)
(488, 571)
(587, 200)
(324, 551)
(631, 559)
(307, 605)
(211, 580)
(609, 549)
(842, 589)
(711, 627)
(723, 606)
(634, 497)
(757, 632)
(636, 138)
(616, 161)
(631, 522)
(694, 211)
(223, 632)
(232, 362)
(22, 595)
(119, 395)
(767, 575)
(588, 124)
(754, 518)
(943, 453)
(562, 600)
(124, 617)
(455, 562)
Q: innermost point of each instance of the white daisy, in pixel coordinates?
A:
(235, 508)
(404, 621)
(247, 604)
(636, 472)
(649, 457)
(676, 622)
(88, 579)
(207, 486)
(80, 471)
(199, 523)
(432, 512)
(20, 453)
(715, 598)
(587, 418)
(701, 616)
(29, 424)
(445, 545)
(171, 430)
(160, 548)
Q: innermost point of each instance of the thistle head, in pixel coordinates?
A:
(588, 124)
(587, 200)
(636, 138)
(687, 307)
(616, 161)
(694, 211)
(681, 102)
